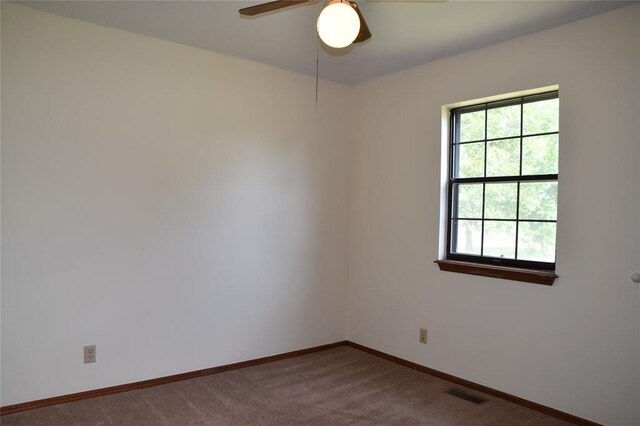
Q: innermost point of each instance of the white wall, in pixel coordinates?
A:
(183, 209)
(178, 208)
(574, 346)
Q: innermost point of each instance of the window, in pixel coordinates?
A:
(503, 183)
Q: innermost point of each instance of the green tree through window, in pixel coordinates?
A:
(503, 185)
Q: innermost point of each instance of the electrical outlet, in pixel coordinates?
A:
(423, 335)
(89, 354)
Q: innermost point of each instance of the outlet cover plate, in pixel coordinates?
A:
(89, 354)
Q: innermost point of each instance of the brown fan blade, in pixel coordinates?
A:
(364, 33)
(268, 7)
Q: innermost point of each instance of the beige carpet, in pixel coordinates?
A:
(333, 387)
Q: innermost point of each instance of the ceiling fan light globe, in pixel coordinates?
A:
(338, 25)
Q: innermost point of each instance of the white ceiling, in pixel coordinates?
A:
(404, 34)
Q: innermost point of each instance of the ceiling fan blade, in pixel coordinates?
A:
(364, 33)
(268, 7)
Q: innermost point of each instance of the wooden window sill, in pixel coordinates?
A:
(515, 274)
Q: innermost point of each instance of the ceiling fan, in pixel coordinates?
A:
(340, 22)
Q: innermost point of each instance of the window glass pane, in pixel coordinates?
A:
(469, 201)
(500, 200)
(541, 116)
(537, 241)
(470, 160)
(500, 239)
(472, 126)
(467, 236)
(503, 157)
(503, 122)
(539, 200)
(540, 155)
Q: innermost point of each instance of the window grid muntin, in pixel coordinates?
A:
(484, 185)
(453, 195)
(520, 174)
(532, 135)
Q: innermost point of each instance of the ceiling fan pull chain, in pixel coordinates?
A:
(317, 65)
